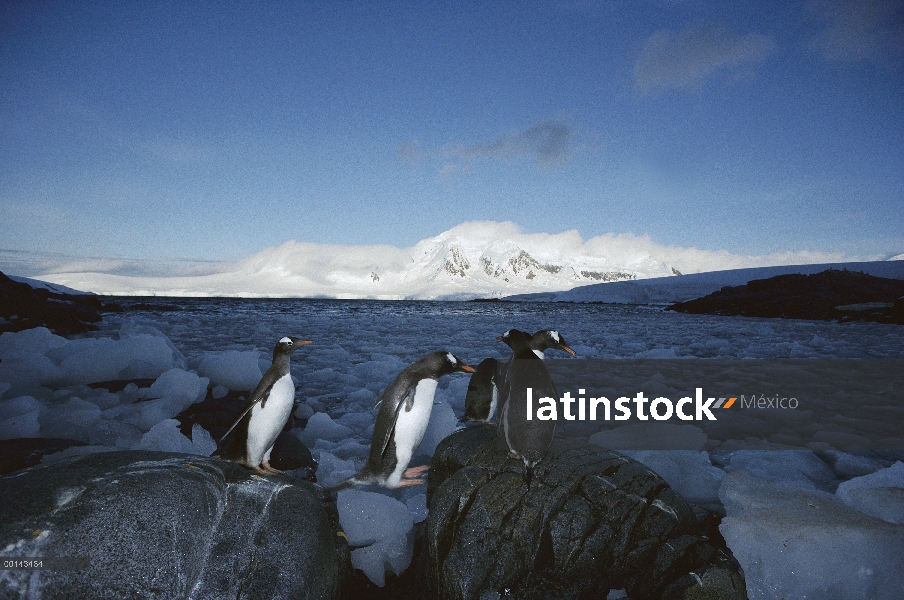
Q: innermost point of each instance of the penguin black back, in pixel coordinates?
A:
(483, 394)
(523, 437)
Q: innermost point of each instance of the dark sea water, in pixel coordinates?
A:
(409, 329)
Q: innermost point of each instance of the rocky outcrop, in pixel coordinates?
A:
(24, 307)
(831, 296)
(591, 520)
(163, 525)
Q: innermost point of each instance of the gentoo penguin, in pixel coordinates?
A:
(483, 389)
(405, 408)
(483, 393)
(527, 439)
(266, 412)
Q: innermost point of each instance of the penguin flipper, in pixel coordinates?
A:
(407, 400)
(259, 395)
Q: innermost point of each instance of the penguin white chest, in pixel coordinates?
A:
(412, 424)
(410, 427)
(268, 420)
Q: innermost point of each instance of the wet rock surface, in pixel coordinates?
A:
(591, 521)
(830, 296)
(26, 452)
(163, 525)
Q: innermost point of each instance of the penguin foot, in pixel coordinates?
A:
(270, 470)
(258, 469)
(414, 471)
(513, 454)
(410, 482)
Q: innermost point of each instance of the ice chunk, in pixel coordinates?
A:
(304, 411)
(219, 391)
(104, 399)
(688, 472)
(332, 470)
(442, 423)
(166, 437)
(362, 396)
(418, 506)
(651, 436)
(382, 525)
(201, 440)
(88, 360)
(848, 465)
(72, 420)
(357, 422)
(794, 542)
(880, 494)
(23, 425)
(799, 466)
(234, 369)
(109, 432)
(183, 386)
(321, 426)
(174, 391)
(23, 360)
(36, 357)
(18, 406)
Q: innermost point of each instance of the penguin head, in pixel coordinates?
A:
(549, 338)
(444, 363)
(288, 345)
(515, 339)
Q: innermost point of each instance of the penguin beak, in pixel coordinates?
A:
(499, 338)
(301, 342)
(569, 350)
(466, 368)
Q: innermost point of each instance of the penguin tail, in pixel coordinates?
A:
(342, 485)
(530, 458)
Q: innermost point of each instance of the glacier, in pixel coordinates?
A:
(480, 259)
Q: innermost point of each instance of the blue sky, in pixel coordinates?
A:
(209, 131)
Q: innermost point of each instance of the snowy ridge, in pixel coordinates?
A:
(480, 259)
(665, 290)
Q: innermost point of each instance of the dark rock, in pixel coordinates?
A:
(831, 295)
(26, 452)
(63, 314)
(592, 520)
(289, 454)
(164, 525)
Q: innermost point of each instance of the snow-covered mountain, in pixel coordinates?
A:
(475, 259)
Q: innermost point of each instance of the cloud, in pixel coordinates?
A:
(859, 30)
(687, 58)
(549, 144)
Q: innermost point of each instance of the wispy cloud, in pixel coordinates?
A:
(549, 144)
(859, 30)
(688, 57)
